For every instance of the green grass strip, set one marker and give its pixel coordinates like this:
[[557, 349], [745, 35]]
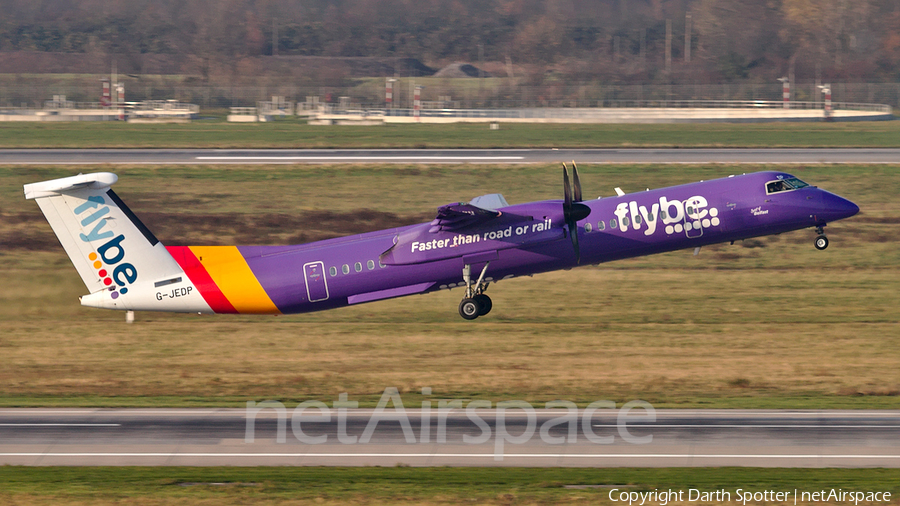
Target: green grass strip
[[293, 133], [404, 485]]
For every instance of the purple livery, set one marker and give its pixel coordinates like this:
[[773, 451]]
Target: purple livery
[[468, 245]]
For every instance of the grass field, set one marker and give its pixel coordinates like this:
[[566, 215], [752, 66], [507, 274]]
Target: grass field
[[279, 486], [293, 133], [767, 323]]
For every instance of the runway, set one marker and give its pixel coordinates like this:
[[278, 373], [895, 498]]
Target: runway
[[457, 437], [446, 156]]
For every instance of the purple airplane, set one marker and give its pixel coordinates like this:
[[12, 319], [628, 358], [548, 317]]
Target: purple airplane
[[468, 245]]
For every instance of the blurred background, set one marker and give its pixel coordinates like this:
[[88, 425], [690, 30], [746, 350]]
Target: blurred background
[[462, 53]]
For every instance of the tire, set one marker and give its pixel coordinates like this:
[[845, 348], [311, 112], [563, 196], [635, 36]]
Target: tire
[[821, 242], [485, 302], [469, 309]]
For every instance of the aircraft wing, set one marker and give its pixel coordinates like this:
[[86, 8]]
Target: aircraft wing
[[453, 217], [462, 229]]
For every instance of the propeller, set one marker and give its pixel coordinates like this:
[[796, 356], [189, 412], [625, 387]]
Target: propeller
[[577, 195], [573, 211]]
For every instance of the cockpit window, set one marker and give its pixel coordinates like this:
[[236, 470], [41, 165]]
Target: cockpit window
[[784, 185], [776, 186], [796, 183]]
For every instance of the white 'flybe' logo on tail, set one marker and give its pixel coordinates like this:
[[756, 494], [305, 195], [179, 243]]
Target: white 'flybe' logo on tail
[[111, 253]]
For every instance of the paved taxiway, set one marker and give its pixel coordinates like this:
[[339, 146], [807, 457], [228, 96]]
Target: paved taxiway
[[494, 156], [220, 437]]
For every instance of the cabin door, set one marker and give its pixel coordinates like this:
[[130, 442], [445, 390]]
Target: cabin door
[[316, 284], [692, 224]]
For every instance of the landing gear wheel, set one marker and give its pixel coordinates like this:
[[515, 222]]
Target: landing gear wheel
[[469, 309], [821, 242], [485, 302]]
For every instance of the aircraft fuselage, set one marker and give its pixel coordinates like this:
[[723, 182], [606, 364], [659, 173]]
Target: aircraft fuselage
[[525, 239]]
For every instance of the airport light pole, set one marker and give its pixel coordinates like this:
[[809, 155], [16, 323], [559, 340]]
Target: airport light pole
[[389, 93], [417, 101], [826, 89], [120, 100], [786, 91], [105, 94]]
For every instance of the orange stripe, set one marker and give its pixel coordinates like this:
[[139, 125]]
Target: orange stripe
[[230, 272]]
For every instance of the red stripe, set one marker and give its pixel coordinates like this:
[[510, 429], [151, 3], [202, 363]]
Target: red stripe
[[201, 279]]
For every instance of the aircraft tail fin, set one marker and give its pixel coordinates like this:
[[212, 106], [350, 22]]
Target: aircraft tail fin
[[108, 244]]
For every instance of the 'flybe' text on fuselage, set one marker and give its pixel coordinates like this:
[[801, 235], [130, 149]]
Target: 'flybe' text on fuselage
[[675, 215]]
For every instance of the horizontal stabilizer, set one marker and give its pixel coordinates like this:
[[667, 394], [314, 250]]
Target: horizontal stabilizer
[[96, 181]]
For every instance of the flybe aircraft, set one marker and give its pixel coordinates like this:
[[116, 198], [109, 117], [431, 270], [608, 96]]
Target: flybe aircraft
[[467, 245]]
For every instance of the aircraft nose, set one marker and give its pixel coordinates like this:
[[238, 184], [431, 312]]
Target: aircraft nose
[[837, 208]]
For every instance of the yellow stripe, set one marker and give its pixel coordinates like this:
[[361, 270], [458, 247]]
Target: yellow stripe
[[233, 276]]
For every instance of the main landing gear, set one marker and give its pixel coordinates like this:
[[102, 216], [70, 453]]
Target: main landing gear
[[821, 241], [475, 303]]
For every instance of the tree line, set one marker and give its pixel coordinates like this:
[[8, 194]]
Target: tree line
[[608, 40]]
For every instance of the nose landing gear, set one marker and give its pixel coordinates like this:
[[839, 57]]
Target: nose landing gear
[[475, 303], [821, 241]]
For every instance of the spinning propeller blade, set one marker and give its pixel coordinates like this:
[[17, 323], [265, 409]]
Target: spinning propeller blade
[[577, 196], [572, 210]]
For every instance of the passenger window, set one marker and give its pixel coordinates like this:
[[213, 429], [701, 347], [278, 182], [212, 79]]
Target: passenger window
[[370, 264], [332, 270], [358, 267], [625, 221], [601, 225], [637, 220], [662, 214], [345, 269], [587, 228], [613, 223]]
